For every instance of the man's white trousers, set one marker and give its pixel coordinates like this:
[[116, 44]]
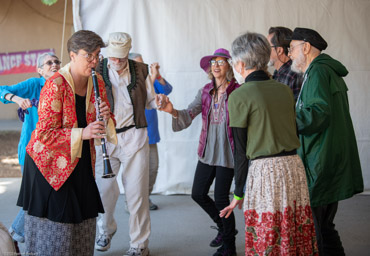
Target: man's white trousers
[[135, 180]]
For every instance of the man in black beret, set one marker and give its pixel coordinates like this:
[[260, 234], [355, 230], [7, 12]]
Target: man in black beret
[[328, 143]]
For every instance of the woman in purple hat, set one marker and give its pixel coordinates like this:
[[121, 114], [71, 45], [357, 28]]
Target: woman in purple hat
[[216, 144]]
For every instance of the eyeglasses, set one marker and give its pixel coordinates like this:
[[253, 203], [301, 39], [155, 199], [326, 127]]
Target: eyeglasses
[[290, 49], [50, 62], [89, 57], [219, 62]]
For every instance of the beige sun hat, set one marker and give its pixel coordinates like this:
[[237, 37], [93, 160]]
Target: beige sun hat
[[119, 45]]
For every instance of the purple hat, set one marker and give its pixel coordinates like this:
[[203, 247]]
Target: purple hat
[[204, 62]]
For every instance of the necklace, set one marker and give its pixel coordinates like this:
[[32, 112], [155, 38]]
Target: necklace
[[216, 91], [220, 85], [223, 82]]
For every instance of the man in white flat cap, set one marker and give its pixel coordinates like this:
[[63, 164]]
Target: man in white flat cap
[[129, 91]]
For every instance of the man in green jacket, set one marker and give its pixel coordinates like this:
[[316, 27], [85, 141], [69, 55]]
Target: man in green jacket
[[328, 143]]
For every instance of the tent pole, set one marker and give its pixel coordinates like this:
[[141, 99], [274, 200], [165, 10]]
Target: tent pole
[[64, 28]]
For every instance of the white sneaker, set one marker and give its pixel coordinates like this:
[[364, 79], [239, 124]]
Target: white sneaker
[[137, 252], [103, 242]]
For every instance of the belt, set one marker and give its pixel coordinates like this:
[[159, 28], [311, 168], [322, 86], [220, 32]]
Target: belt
[[284, 153], [123, 129]]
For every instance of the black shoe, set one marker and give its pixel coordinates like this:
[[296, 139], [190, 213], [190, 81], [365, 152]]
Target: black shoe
[[224, 251], [218, 240], [16, 247], [152, 206]]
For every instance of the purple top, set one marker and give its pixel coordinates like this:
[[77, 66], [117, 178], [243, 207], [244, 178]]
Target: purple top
[[202, 104]]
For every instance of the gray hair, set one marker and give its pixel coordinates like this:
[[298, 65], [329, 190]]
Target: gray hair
[[134, 55], [252, 49], [41, 58]]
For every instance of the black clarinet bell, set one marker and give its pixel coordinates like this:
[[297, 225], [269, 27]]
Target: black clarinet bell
[[108, 173]]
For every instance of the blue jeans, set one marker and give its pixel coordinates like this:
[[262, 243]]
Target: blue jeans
[[18, 223]]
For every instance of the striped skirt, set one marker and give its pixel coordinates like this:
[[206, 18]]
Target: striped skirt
[[277, 211], [46, 237]]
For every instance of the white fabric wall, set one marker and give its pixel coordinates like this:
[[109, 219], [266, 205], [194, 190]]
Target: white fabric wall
[[178, 33]]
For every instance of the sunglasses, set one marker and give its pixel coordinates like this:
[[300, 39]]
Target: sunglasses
[[50, 62]]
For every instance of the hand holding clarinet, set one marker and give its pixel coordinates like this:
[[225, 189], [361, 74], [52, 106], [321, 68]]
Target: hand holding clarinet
[[98, 127], [95, 130]]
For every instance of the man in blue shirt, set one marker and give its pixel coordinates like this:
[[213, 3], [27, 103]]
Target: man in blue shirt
[[161, 86]]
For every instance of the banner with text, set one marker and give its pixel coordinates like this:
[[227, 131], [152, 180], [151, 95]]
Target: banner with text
[[20, 62]]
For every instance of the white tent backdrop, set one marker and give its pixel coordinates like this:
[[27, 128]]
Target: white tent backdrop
[[178, 33]]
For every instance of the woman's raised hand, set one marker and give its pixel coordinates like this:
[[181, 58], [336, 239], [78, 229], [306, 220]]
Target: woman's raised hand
[[154, 70]]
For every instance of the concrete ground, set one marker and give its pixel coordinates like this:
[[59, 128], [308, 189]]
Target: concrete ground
[[10, 125], [181, 228]]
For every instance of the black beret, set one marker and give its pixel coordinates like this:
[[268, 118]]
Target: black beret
[[311, 36]]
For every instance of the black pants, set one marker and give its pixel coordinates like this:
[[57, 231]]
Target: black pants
[[203, 179], [328, 239]]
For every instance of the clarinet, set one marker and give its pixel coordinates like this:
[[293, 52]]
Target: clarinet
[[108, 173]]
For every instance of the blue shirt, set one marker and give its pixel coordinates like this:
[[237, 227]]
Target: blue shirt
[[151, 114], [29, 89]]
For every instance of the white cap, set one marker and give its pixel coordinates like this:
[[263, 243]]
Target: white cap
[[119, 45]]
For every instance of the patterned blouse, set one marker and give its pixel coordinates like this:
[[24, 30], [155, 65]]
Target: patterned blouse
[[56, 143]]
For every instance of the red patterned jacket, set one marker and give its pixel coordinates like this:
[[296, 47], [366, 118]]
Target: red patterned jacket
[[56, 143]]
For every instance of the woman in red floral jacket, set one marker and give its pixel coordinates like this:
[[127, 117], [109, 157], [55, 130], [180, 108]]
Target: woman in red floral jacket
[[58, 189]]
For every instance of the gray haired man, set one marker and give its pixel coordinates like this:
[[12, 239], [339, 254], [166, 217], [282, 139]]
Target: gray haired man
[[129, 91], [328, 143]]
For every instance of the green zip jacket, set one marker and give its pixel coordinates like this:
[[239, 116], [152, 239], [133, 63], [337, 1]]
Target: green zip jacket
[[328, 143]]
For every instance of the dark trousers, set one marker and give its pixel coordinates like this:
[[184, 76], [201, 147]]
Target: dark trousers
[[328, 239], [203, 179]]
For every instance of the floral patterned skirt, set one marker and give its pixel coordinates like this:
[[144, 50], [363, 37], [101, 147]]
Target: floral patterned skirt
[[277, 211]]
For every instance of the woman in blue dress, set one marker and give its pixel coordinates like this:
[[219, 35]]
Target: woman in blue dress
[[26, 94]]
